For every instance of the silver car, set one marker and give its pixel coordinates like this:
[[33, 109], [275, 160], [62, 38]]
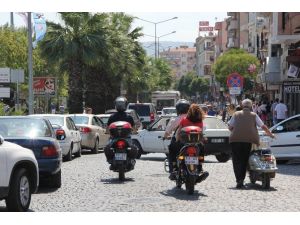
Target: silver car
[[64, 125], [92, 130]]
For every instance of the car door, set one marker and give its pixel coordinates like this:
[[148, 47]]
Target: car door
[[3, 166], [104, 136], [152, 139], [73, 131], [287, 141], [99, 131]]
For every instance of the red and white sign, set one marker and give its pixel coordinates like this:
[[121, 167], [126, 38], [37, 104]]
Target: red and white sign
[[206, 28], [44, 85], [235, 80], [203, 23]]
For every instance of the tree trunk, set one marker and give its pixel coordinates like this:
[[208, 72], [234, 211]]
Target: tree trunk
[[75, 87]]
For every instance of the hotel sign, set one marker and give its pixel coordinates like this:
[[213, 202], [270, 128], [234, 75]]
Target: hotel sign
[[291, 88]]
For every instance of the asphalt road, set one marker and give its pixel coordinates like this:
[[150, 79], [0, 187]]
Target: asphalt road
[[89, 186]]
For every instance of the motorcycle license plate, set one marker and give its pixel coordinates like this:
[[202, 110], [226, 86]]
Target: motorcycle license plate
[[120, 156], [191, 160]]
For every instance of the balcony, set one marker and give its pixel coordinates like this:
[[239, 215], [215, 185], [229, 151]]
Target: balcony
[[273, 69], [232, 43], [233, 25]]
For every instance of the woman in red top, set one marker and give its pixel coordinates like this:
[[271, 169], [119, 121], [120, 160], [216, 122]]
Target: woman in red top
[[194, 117]]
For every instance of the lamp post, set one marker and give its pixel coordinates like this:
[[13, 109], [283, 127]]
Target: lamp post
[[155, 23], [159, 38]]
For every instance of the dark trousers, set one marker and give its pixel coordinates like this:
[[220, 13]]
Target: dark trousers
[[240, 156], [174, 149]]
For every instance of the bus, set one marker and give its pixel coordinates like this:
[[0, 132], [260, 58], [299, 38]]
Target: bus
[[163, 99]]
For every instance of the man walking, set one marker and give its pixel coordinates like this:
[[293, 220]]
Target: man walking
[[243, 127], [273, 110], [280, 111]]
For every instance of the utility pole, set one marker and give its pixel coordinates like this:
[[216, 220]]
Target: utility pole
[[12, 20], [30, 71]]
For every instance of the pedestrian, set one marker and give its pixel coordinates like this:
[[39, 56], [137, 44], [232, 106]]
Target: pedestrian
[[273, 111], [230, 111], [53, 107], [243, 126], [62, 108], [280, 111]]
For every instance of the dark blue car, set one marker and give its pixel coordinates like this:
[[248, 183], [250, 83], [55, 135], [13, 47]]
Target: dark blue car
[[38, 135]]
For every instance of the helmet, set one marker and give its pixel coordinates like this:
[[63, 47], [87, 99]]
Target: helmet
[[182, 106], [121, 104]]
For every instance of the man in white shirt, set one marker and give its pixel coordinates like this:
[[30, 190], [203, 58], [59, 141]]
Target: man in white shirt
[[280, 111], [273, 110]]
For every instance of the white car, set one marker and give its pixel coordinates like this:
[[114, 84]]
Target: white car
[[19, 175], [169, 111], [65, 126], [215, 130], [286, 145]]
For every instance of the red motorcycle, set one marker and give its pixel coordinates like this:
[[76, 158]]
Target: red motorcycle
[[190, 159], [120, 132]]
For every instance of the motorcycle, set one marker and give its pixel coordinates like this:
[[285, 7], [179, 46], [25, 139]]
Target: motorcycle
[[190, 160], [121, 146], [262, 164]]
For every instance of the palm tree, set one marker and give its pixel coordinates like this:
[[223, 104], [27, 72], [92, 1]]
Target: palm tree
[[80, 42]]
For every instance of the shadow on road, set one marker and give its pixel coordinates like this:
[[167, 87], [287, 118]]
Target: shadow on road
[[4, 209], [291, 168], [116, 180], [44, 190], [181, 194], [159, 159], [257, 187]]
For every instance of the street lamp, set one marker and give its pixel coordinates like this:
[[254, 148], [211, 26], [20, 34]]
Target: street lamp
[[155, 23], [159, 38]]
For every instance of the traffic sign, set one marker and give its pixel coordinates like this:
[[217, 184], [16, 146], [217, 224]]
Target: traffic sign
[[235, 90], [235, 80]]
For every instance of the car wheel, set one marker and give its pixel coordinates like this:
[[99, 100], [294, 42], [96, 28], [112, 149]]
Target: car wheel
[[223, 157], [96, 147], [139, 148], [19, 195], [78, 153], [68, 157], [55, 180]]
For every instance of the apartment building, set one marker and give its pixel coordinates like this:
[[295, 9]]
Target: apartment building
[[181, 59]]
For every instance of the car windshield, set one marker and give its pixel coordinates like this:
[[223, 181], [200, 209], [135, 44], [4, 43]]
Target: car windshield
[[80, 119], [56, 120], [169, 111], [142, 110], [24, 127], [214, 123]]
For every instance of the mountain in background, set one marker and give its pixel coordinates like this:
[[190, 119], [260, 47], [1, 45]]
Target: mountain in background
[[163, 45]]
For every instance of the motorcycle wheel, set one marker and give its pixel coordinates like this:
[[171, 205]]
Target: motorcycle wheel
[[266, 181], [121, 173], [252, 177], [190, 185]]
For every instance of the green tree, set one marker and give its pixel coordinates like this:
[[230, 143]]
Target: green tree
[[81, 41], [235, 60]]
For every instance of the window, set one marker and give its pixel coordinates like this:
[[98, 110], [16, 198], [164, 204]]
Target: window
[[160, 125], [290, 126]]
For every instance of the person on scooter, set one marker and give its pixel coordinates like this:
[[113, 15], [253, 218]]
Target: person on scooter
[[182, 107], [243, 126], [120, 115], [194, 117]]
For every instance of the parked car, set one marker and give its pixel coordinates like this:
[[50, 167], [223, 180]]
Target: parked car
[[131, 112], [92, 130], [64, 124], [286, 145], [146, 112], [38, 135], [215, 131], [19, 176]]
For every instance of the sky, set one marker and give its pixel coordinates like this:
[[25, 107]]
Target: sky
[[186, 26], [189, 12]]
